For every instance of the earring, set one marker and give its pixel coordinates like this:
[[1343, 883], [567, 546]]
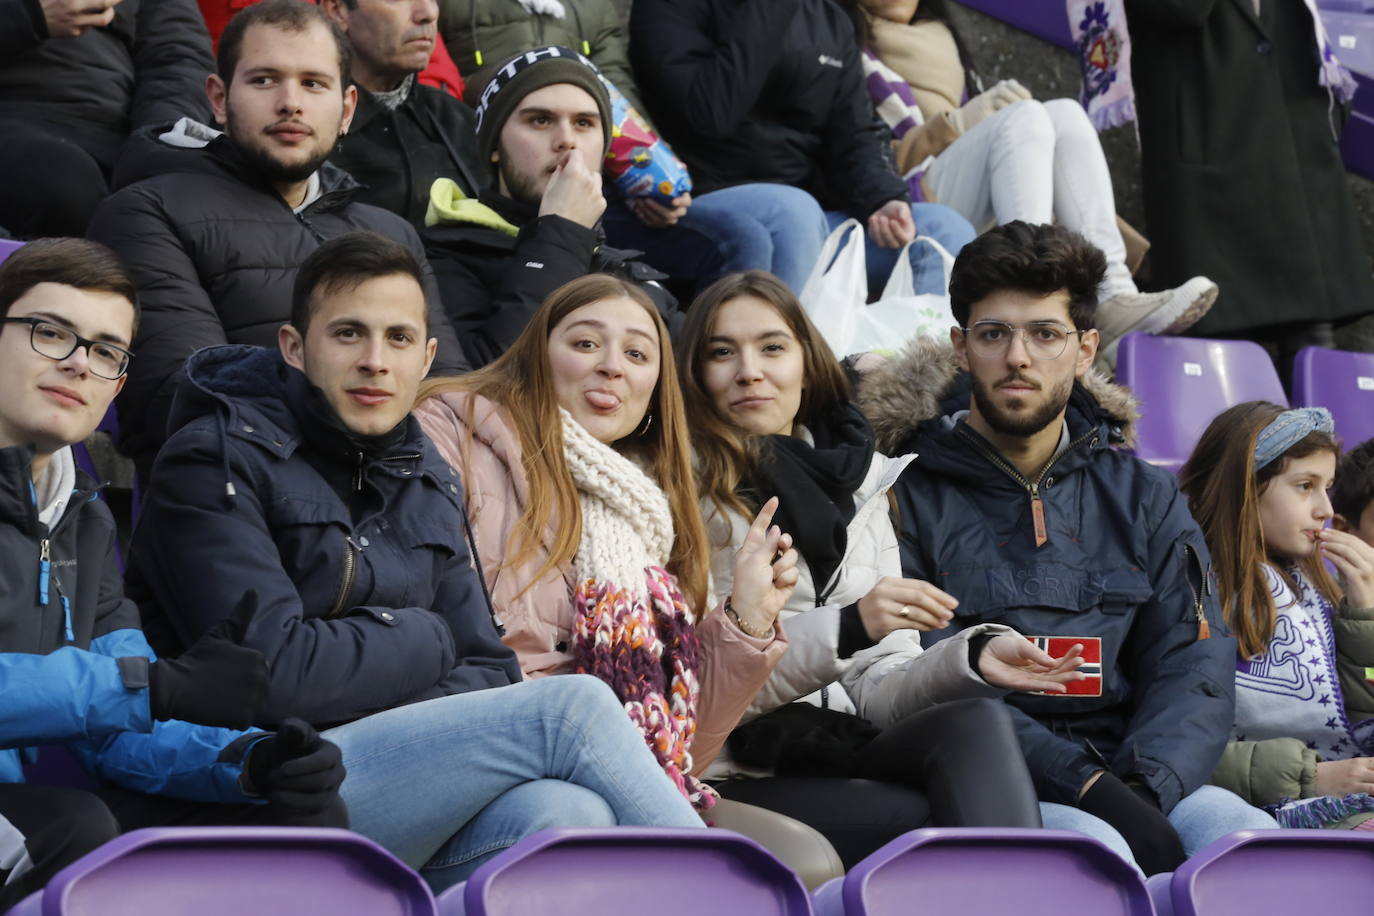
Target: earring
[[644, 427]]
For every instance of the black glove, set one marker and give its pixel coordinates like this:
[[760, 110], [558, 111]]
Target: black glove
[[1136, 816], [300, 773], [215, 682]]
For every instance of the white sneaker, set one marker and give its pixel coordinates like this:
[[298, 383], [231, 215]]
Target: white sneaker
[[1172, 311]]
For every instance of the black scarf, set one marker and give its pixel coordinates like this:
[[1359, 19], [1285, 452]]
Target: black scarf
[[815, 486]]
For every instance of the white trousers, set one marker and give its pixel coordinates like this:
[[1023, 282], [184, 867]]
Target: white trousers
[[1040, 162]]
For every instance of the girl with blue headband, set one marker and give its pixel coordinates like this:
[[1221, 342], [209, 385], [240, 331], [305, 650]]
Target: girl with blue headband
[[1257, 483]]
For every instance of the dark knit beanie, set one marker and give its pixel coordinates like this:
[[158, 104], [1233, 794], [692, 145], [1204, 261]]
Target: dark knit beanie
[[523, 74]]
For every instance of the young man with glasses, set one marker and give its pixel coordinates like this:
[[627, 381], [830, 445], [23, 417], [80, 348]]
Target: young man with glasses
[[1019, 506], [75, 669]]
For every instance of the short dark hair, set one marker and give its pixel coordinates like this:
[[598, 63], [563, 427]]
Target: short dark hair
[[78, 263], [345, 263], [1040, 259], [289, 16], [1354, 487]]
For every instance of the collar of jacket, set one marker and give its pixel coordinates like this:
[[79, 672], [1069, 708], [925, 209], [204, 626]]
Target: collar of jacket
[[922, 385], [16, 490], [249, 390]]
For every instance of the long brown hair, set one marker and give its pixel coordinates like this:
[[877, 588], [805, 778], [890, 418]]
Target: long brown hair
[[724, 452], [1223, 489], [521, 381]]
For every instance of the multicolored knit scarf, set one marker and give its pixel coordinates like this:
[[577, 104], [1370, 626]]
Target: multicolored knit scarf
[[1104, 55], [633, 627]]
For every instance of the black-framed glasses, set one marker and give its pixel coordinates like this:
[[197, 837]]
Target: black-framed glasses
[[1043, 339], [57, 343]]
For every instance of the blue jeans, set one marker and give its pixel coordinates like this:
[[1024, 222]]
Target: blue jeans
[[447, 783], [758, 226], [1208, 814], [928, 271]]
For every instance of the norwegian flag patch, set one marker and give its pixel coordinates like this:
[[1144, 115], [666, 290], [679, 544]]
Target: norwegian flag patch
[[1058, 647]]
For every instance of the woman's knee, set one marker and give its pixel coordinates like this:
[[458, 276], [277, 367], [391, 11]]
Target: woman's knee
[[1025, 123], [1069, 120]]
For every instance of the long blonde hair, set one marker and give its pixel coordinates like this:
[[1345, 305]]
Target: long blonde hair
[[1223, 489], [521, 381]]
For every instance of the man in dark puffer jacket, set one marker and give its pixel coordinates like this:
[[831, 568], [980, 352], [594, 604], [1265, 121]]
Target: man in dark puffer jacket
[[214, 238], [76, 76]]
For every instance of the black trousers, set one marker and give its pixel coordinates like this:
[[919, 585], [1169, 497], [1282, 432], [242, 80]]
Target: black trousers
[[953, 765], [55, 175], [44, 829]]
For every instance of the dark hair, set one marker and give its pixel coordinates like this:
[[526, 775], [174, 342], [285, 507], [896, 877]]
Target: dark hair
[[1354, 487], [724, 453], [289, 16], [71, 262], [344, 263], [1039, 259]]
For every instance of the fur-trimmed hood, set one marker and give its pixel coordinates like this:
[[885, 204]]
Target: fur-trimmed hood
[[923, 382]]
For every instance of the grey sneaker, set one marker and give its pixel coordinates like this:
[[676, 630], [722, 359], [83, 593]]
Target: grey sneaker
[[1172, 311]]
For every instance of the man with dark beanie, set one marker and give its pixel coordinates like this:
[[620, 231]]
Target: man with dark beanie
[[543, 125]]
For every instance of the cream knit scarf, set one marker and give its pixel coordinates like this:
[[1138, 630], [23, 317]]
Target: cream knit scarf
[[633, 628]]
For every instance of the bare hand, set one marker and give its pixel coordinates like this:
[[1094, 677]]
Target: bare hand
[[891, 225], [1015, 663], [656, 216], [763, 584], [1345, 777], [926, 607], [70, 18], [1354, 562], [573, 192]]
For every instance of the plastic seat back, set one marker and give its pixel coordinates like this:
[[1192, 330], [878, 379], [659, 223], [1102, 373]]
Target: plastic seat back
[[988, 872], [631, 870], [1343, 383], [233, 871], [1277, 873], [1182, 383]]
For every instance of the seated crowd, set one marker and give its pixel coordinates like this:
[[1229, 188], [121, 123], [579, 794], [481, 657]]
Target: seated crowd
[[412, 438]]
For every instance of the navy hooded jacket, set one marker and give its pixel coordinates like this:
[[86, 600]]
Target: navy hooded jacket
[[361, 604], [1124, 563]]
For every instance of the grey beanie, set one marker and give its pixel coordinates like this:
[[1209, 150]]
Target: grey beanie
[[523, 74]]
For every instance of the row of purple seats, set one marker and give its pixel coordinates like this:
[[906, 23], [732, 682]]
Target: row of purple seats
[[970, 872], [1182, 383]]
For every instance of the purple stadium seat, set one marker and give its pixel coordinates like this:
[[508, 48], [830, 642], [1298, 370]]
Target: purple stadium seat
[[1184, 382], [1158, 886], [1341, 382], [8, 247], [1276, 873], [234, 871], [982, 872], [630, 870]]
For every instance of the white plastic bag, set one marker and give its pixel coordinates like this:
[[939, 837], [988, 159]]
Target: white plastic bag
[[833, 297], [902, 314]]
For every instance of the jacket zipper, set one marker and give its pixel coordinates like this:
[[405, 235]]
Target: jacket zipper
[[1204, 629], [1031, 487], [350, 573], [45, 575]]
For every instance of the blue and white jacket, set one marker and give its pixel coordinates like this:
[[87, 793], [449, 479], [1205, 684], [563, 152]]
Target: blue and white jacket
[[64, 627]]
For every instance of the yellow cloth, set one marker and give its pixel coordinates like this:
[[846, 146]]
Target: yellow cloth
[[448, 204]]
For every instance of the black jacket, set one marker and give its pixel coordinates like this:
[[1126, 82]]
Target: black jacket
[[1242, 176], [765, 90], [147, 66], [492, 282], [397, 155], [365, 593], [214, 251], [73, 661], [1125, 563]]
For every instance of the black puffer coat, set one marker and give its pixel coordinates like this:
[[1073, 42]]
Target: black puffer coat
[[214, 251], [147, 66], [764, 91]]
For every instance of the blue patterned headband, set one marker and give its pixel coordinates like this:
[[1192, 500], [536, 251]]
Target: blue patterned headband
[[1287, 429]]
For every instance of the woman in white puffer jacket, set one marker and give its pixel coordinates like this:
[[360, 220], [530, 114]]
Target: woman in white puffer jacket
[[893, 737]]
